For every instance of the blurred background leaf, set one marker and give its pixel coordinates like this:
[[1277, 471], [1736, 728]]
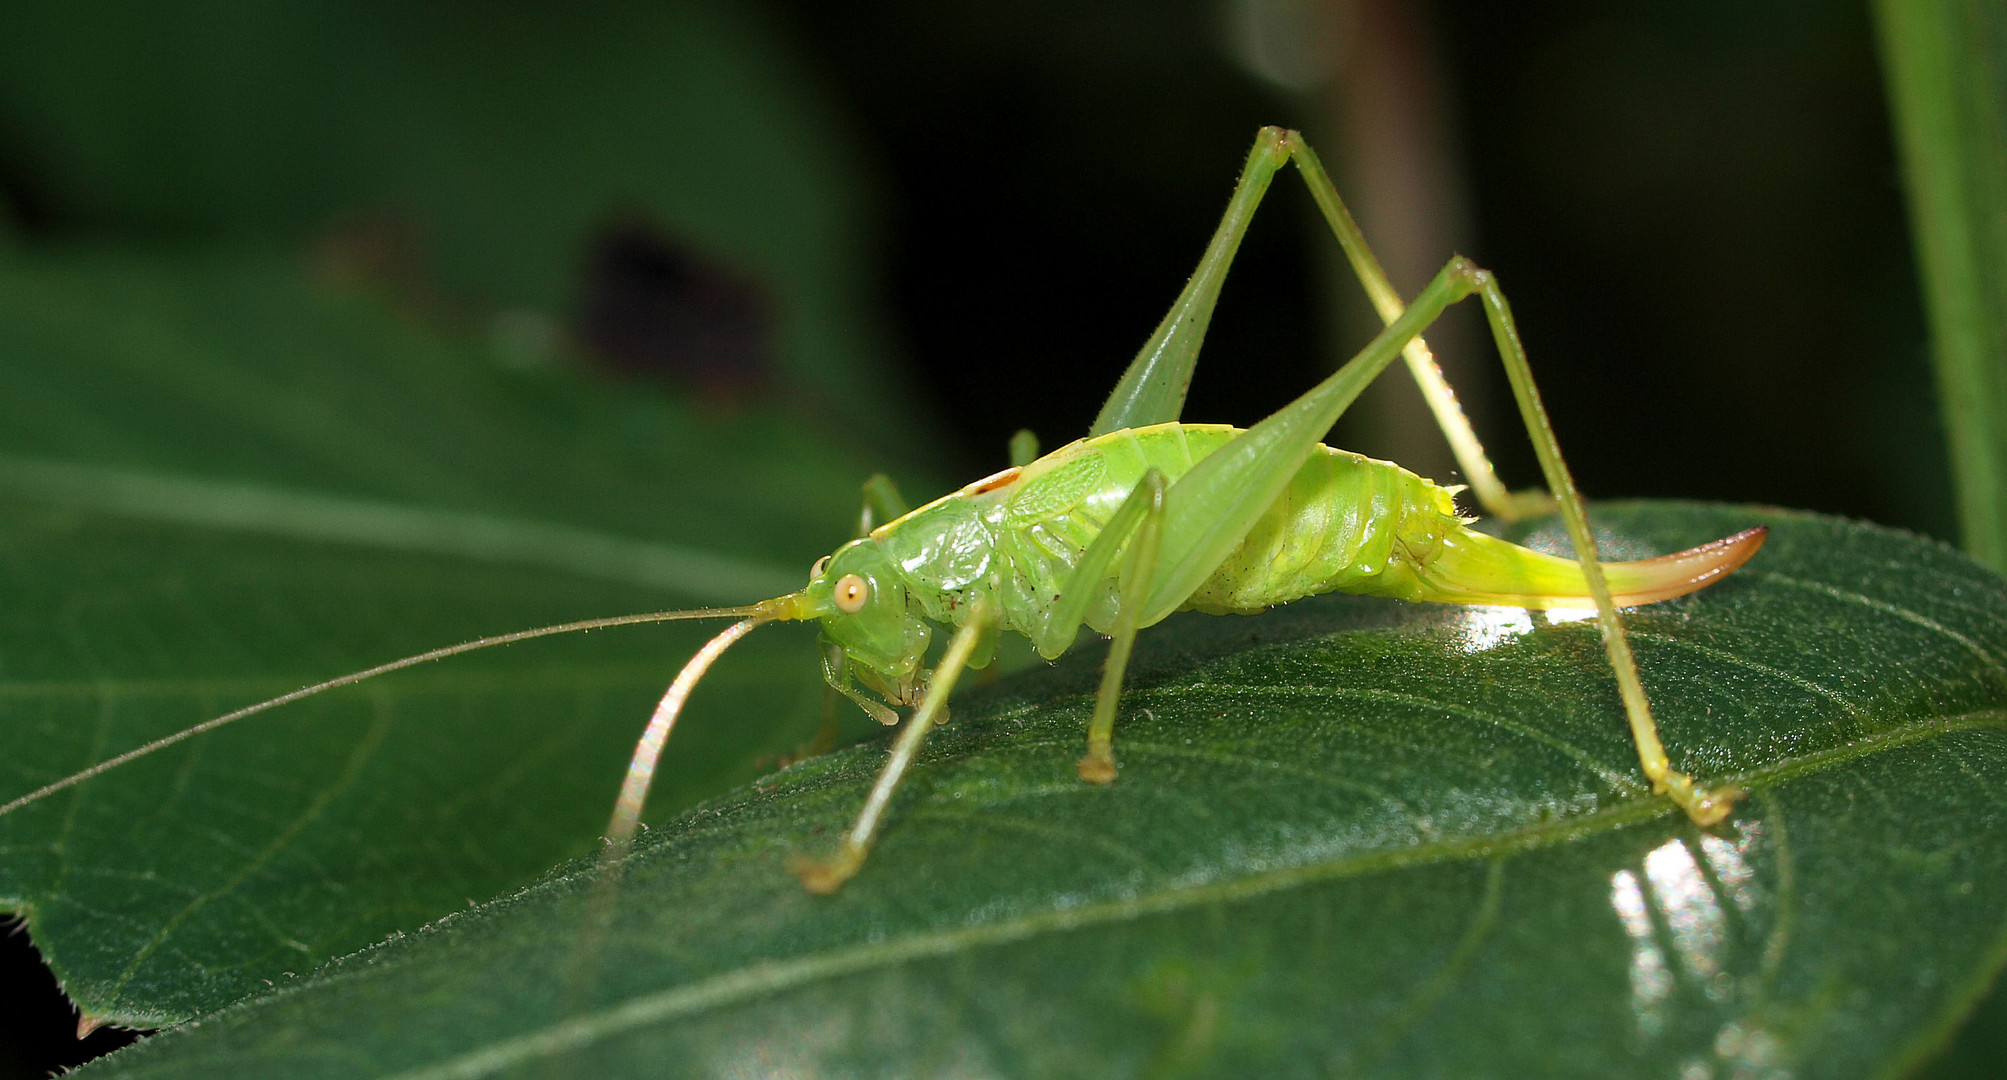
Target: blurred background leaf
[[466, 157], [1947, 78]]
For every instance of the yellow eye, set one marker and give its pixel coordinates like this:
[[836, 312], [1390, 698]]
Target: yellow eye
[[816, 570], [851, 594]]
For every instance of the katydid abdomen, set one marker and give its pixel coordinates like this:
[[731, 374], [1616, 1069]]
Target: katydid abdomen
[[1345, 523]]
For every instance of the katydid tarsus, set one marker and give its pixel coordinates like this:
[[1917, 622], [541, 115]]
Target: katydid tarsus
[[1148, 515]]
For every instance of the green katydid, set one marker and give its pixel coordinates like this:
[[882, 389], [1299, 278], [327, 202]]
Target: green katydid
[[1148, 515]]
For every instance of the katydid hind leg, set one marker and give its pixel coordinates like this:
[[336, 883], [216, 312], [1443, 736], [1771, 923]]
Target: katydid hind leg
[[1705, 806], [1152, 390], [1491, 493], [1210, 509]]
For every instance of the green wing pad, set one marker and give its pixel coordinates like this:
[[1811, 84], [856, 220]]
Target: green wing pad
[[1054, 485]]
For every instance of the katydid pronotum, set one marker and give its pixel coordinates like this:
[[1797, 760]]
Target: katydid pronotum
[[1149, 515]]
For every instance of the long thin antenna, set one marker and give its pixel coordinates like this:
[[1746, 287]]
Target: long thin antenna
[[763, 609], [641, 770]]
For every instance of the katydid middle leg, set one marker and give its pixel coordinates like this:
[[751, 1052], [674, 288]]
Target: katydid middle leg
[[1132, 535], [1098, 766], [882, 503]]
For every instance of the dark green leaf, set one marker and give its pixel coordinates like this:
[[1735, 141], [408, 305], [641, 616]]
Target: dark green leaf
[[218, 483], [464, 155], [1349, 838]]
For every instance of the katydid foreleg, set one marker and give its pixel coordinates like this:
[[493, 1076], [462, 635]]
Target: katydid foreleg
[[825, 876]]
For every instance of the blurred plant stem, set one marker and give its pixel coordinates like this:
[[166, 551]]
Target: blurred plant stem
[[1397, 162], [1370, 78], [1942, 60], [1947, 88]]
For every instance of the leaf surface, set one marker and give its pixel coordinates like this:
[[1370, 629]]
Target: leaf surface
[[221, 481], [1349, 838]]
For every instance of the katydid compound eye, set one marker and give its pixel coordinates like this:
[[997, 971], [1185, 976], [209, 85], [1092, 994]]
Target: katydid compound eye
[[816, 570], [851, 594]]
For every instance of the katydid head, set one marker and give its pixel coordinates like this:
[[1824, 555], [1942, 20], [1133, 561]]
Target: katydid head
[[860, 598]]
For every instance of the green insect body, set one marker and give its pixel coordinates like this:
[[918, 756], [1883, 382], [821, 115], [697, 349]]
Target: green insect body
[[1148, 515], [1345, 523]]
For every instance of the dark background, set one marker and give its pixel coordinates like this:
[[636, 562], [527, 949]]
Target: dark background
[[1693, 206]]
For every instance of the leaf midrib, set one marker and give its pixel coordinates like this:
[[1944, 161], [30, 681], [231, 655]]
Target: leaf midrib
[[245, 506]]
